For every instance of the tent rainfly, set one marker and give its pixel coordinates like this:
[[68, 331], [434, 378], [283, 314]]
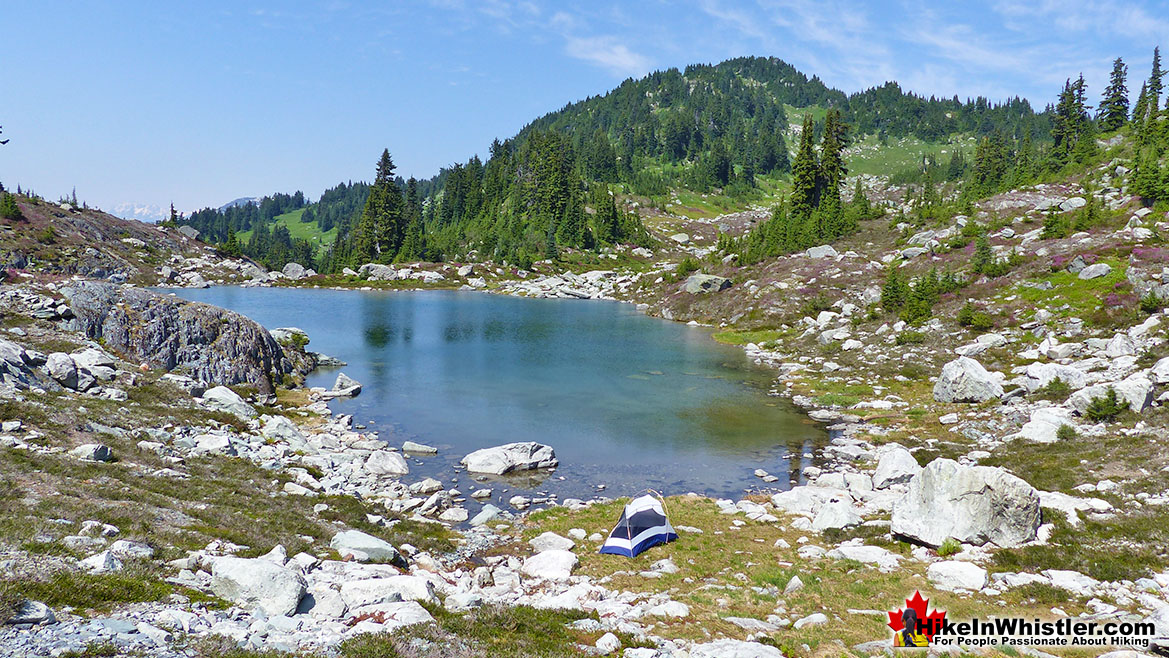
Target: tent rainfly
[[643, 524]]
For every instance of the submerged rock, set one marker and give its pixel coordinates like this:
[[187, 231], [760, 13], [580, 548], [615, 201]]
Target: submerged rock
[[502, 459]]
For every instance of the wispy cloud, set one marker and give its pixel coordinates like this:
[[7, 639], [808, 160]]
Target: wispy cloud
[[609, 53]]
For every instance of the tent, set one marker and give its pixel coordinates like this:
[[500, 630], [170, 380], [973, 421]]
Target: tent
[[643, 524]]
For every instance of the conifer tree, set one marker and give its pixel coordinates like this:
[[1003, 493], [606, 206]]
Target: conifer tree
[[804, 173], [1155, 83], [1140, 110], [983, 255], [379, 232], [1114, 106], [895, 292]]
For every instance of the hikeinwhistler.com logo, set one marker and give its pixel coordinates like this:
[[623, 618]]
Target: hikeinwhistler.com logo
[[917, 625]]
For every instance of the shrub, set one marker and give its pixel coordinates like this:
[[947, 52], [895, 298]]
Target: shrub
[[1106, 408], [1057, 390], [687, 267], [815, 305], [910, 338], [970, 316], [47, 236], [1151, 303], [1065, 433], [950, 547]]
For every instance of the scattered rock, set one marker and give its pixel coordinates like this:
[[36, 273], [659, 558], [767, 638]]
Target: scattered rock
[[363, 547], [955, 575], [94, 452]]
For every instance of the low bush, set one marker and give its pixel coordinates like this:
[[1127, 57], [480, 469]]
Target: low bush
[[1105, 408], [910, 338], [1056, 390]]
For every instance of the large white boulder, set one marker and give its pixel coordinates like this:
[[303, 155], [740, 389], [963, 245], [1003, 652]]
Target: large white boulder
[[1045, 423], [222, 398], [63, 369], [550, 541], [957, 575], [806, 500], [502, 459], [965, 380], [823, 251], [280, 428], [550, 565], [257, 583], [734, 649], [1160, 372], [384, 462], [1136, 389], [835, 515], [973, 504], [364, 547], [372, 591], [1045, 373], [895, 466]]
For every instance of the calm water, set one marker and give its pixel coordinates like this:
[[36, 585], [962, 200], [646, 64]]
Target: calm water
[[626, 400]]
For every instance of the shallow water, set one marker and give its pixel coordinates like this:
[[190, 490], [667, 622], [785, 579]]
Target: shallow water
[[627, 401]]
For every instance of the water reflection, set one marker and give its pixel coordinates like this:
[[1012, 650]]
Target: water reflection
[[625, 400]]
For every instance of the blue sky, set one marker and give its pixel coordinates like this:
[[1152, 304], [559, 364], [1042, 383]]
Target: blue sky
[[200, 103]]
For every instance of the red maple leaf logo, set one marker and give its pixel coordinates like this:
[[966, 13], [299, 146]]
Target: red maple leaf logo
[[931, 620]]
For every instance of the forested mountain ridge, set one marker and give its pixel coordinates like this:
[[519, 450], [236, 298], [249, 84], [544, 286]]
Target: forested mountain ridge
[[726, 131]]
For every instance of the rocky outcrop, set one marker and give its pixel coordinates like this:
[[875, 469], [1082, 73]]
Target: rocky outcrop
[[700, 283], [973, 504], [502, 459], [965, 380], [209, 343]]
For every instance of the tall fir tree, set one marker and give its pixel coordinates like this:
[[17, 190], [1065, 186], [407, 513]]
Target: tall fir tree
[[805, 171], [1113, 111], [379, 232]]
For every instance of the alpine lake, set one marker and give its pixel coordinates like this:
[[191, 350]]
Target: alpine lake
[[627, 401]]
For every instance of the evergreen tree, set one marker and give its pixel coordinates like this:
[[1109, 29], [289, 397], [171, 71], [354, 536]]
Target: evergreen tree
[[805, 170], [8, 207], [1147, 182], [1113, 111], [832, 174], [1155, 84], [895, 292], [1141, 109], [380, 230], [983, 255]]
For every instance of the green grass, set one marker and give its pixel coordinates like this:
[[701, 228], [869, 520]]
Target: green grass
[[89, 591], [1071, 296], [298, 229], [757, 336], [868, 156]]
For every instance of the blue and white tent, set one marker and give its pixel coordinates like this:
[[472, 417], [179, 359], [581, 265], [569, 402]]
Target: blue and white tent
[[643, 524]]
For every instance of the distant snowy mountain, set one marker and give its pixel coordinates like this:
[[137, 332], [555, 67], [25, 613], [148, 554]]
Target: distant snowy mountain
[[143, 213], [242, 201]]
